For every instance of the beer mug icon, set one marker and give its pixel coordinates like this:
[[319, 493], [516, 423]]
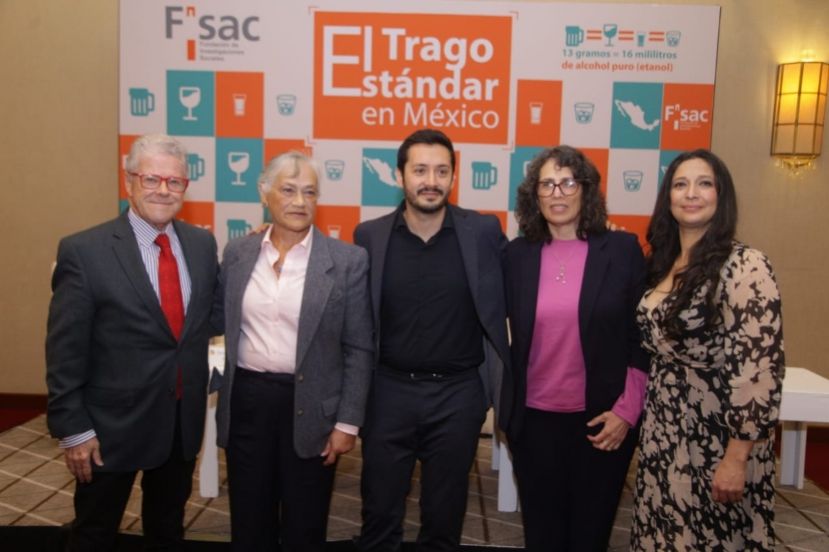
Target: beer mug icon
[[584, 112], [142, 102], [573, 35], [672, 38], [632, 180], [334, 169], [484, 175], [237, 228], [195, 166]]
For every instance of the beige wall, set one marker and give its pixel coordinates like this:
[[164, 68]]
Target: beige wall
[[58, 150]]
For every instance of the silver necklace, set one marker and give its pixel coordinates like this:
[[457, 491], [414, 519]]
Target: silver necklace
[[561, 277]]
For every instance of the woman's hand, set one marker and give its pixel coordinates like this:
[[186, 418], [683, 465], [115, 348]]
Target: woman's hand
[[612, 434], [730, 476]]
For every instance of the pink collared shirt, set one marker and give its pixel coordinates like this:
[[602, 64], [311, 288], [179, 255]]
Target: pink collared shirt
[[270, 308]]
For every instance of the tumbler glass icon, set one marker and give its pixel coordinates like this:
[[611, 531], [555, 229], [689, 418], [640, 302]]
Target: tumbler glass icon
[[195, 166], [334, 231], [238, 161], [535, 112], [640, 38], [142, 102], [632, 180], [484, 175], [239, 101], [286, 104], [584, 112], [672, 38], [334, 169]]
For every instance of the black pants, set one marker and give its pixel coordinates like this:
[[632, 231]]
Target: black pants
[[275, 496], [568, 489], [436, 422], [100, 504]]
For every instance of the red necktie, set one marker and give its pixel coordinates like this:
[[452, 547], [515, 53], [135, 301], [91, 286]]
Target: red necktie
[[169, 288]]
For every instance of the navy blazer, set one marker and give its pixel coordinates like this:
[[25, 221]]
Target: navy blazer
[[111, 358], [613, 283], [482, 245]]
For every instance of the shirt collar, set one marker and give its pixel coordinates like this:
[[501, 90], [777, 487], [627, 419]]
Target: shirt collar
[[146, 233], [448, 221], [305, 244]]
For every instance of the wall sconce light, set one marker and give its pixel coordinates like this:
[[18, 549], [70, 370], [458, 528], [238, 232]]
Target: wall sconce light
[[799, 113]]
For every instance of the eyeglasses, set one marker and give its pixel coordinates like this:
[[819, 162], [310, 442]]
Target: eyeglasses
[[567, 186], [153, 181]]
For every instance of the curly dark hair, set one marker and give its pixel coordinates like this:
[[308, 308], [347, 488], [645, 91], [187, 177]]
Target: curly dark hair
[[593, 214], [706, 257]]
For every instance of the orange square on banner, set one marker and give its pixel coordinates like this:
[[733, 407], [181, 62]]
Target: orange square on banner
[[635, 224], [239, 109], [538, 113], [198, 213], [338, 221], [381, 76], [502, 218], [124, 144], [599, 157], [277, 146], [686, 116]]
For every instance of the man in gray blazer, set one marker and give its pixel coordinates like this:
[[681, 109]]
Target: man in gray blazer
[[299, 354], [438, 303], [126, 353]]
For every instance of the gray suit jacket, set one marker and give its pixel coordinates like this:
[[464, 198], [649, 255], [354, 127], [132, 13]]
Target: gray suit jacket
[[111, 358], [482, 245], [334, 347]]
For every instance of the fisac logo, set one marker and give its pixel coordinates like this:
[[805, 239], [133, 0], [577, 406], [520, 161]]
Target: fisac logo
[[687, 116], [229, 29], [378, 76]]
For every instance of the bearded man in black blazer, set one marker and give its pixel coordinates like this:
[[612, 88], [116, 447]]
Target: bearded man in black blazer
[[440, 325], [126, 353]]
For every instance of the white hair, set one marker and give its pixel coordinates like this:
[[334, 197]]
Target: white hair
[[287, 164], [155, 143]]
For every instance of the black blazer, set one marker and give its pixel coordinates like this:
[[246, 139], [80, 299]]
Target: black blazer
[[613, 284], [482, 245], [111, 358]]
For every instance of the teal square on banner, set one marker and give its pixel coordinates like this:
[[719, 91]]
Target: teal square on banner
[[190, 101], [636, 108], [238, 164], [665, 159], [380, 186], [519, 162]]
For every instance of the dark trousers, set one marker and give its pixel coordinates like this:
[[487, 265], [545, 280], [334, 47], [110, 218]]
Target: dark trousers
[[100, 504], [568, 490], [436, 422], [275, 496]]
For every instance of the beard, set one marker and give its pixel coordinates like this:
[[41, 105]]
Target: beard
[[413, 200]]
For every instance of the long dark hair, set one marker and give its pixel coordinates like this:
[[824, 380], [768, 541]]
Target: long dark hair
[[593, 213], [706, 257]]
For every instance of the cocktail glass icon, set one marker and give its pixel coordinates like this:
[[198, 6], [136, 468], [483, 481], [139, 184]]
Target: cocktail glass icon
[[195, 166], [535, 112], [190, 97], [632, 180], [584, 112], [285, 104], [142, 102], [239, 104], [609, 30], [238, 161], [334, 230], [334, 169], [237, 228], [672, 38], [484, 175]]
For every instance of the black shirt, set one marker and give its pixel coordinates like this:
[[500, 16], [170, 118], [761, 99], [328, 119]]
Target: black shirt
[[428, 321]]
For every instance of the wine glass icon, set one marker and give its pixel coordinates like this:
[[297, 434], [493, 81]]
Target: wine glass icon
[[609, 30], [189, 96], [238, 161]]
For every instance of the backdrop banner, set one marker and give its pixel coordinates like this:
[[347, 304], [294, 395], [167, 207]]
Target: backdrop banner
[[238, 83]]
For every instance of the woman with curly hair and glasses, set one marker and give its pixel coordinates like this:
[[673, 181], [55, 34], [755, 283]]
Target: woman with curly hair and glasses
[[711, 319], [579, 372]]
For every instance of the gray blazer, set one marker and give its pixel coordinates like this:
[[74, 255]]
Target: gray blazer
[[334, 347], [111, 358], [482, 245]]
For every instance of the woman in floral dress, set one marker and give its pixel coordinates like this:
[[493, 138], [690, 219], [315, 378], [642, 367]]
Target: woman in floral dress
[[711, 319]]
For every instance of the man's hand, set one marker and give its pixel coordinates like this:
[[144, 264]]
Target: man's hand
[[339, 442], [78, 459], [612, 434]]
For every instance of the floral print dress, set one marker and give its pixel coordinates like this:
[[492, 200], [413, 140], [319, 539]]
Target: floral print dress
[[712, 385]]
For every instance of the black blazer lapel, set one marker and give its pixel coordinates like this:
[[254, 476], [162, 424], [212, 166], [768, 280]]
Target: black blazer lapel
[[125, 247], [192, 256], [379, 245], [594, 273], [467, 239], [527, 282]]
